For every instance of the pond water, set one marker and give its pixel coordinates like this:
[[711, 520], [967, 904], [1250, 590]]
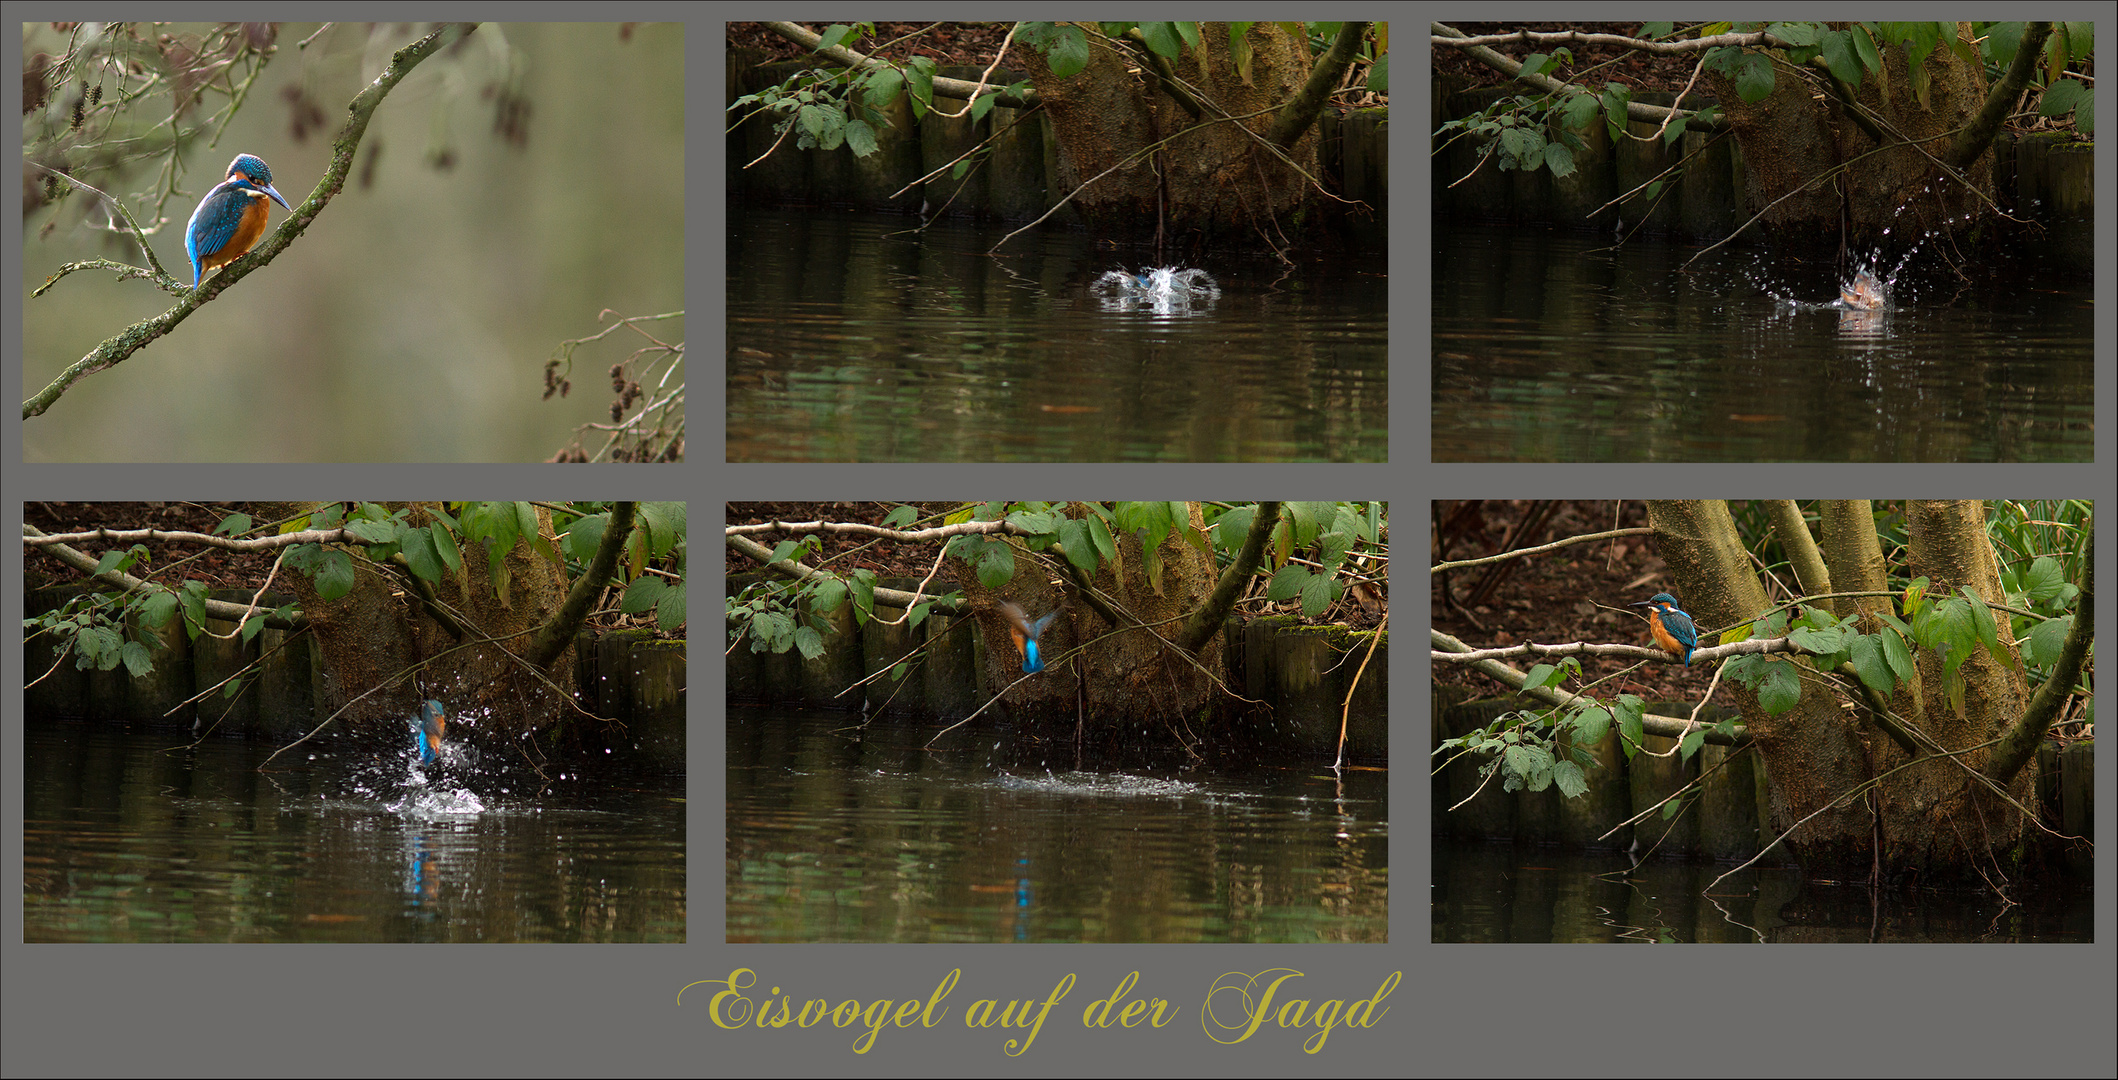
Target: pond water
[[1508, 892], [857, 337], [841, 834], [1552, 346], [125, 839]]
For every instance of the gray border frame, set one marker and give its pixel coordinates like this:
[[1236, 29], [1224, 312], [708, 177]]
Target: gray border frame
[[595, 1009]]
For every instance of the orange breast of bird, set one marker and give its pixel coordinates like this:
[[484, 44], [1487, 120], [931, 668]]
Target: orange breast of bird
[[246, 235]]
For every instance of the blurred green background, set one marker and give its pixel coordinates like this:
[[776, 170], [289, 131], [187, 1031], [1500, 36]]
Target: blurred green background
[[518, 183]]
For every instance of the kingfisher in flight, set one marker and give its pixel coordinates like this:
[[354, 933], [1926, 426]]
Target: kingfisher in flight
[[1025, 634], [428, 727], [1672, 626], [231, 218]]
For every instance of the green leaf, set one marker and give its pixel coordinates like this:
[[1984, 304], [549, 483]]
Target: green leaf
[[1631, 710], [1559, 159], [642, 595], [833, 35], [1291, 580], [445, 548], [995, 565], [156, 607], [1690, 744], [1162, 39], [1864, 47], [2048, 639], [882, 88], [194, 602], [1106, 544], [1568, 776], [1871, 663], [526, 528], [585, 535], [1317, 594], [827, 594], [334, 575], [1079, 546], [1239, 51], [1780, 687], [666, 522], [1069, 52], [2062, 98], [420, 556], [862, 585], [1753, 77], [670, 611], [1795, 33]]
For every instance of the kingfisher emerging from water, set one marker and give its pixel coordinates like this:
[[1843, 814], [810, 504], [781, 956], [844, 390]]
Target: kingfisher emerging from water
[[1025, 633], [1671, 625], [231, 218], [429, 725], [1865, 293]]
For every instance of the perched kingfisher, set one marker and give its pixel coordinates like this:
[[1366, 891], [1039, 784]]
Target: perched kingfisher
[[428, 727], [1025, 634], [231, 218], [1671, 626]]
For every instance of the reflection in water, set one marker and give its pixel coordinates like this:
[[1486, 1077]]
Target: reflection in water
[[1553, 346], [126, 842], [840, 833], [1506, 892], [856, 337]]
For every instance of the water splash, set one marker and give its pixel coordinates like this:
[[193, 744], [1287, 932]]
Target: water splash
[[1164, 282], [1864, 292], [1163, 289], [1877, 282]]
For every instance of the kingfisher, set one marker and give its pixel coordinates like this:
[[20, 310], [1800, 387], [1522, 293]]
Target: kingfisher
[[428, 727], [1865, 293], [231, 218], [1671, 625], [1025, 634]]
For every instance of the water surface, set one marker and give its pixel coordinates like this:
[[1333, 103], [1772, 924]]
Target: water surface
[[124, 840], [857, 337], [836, 833], [1552, 346], [1524, 893]]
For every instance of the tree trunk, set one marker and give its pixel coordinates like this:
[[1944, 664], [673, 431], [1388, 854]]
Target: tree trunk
[[1934, 821], [1130, 677], [1213, 178], [1797, 133], [380, 629]]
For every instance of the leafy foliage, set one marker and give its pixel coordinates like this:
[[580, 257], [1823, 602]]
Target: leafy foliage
[[834, 107], [1533, 751], [778, 616], [91, 626], [1528, 132]]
